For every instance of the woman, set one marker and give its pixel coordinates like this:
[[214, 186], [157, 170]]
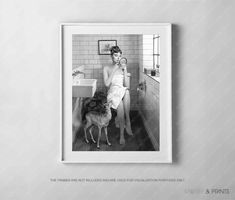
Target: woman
[[115, 78]]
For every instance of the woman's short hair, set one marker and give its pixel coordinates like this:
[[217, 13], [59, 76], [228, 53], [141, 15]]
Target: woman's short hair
[[115, 49]]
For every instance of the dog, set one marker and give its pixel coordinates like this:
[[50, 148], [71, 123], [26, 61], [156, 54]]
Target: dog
[[101, 120]]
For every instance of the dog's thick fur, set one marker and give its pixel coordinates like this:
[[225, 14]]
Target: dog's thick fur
[[101, 120]]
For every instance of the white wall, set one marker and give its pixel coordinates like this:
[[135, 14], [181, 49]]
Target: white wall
[[203, 100]]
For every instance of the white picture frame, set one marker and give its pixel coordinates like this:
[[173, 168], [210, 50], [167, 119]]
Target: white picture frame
[[164, 155]]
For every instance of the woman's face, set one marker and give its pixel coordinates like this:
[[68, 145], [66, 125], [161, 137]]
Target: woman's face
[[116, 57]]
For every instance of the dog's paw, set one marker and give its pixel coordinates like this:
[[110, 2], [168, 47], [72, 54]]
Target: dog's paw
[[94, 141], [87, 141], [109, 143], [98, 147]]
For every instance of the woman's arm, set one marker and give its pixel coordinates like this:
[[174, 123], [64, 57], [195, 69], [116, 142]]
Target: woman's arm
[[108, 77]]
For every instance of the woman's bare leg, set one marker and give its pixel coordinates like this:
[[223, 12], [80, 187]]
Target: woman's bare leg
[[120, 115], [126, 103]]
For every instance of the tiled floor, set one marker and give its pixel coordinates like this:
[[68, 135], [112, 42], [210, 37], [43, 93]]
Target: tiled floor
[[139, 142]]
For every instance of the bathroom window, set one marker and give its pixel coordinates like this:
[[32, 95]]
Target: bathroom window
[[151, 54], [156, 52]]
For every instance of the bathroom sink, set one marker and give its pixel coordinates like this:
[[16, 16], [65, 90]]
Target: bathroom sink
[[84, 87]]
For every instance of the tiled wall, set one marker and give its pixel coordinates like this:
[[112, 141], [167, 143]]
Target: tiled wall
[[85, 52], [149, 108]]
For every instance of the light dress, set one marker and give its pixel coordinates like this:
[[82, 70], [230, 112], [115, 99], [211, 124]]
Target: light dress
[[116, 90]]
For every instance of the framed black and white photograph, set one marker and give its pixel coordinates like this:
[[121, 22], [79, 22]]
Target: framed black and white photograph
[[116, 105], [104, 46]]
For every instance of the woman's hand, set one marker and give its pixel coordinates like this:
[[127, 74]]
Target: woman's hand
[[123, 67]]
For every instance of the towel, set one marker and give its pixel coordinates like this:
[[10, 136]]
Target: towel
[[116, 90]]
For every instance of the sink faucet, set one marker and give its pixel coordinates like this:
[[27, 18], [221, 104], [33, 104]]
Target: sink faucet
[[75, 73]]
